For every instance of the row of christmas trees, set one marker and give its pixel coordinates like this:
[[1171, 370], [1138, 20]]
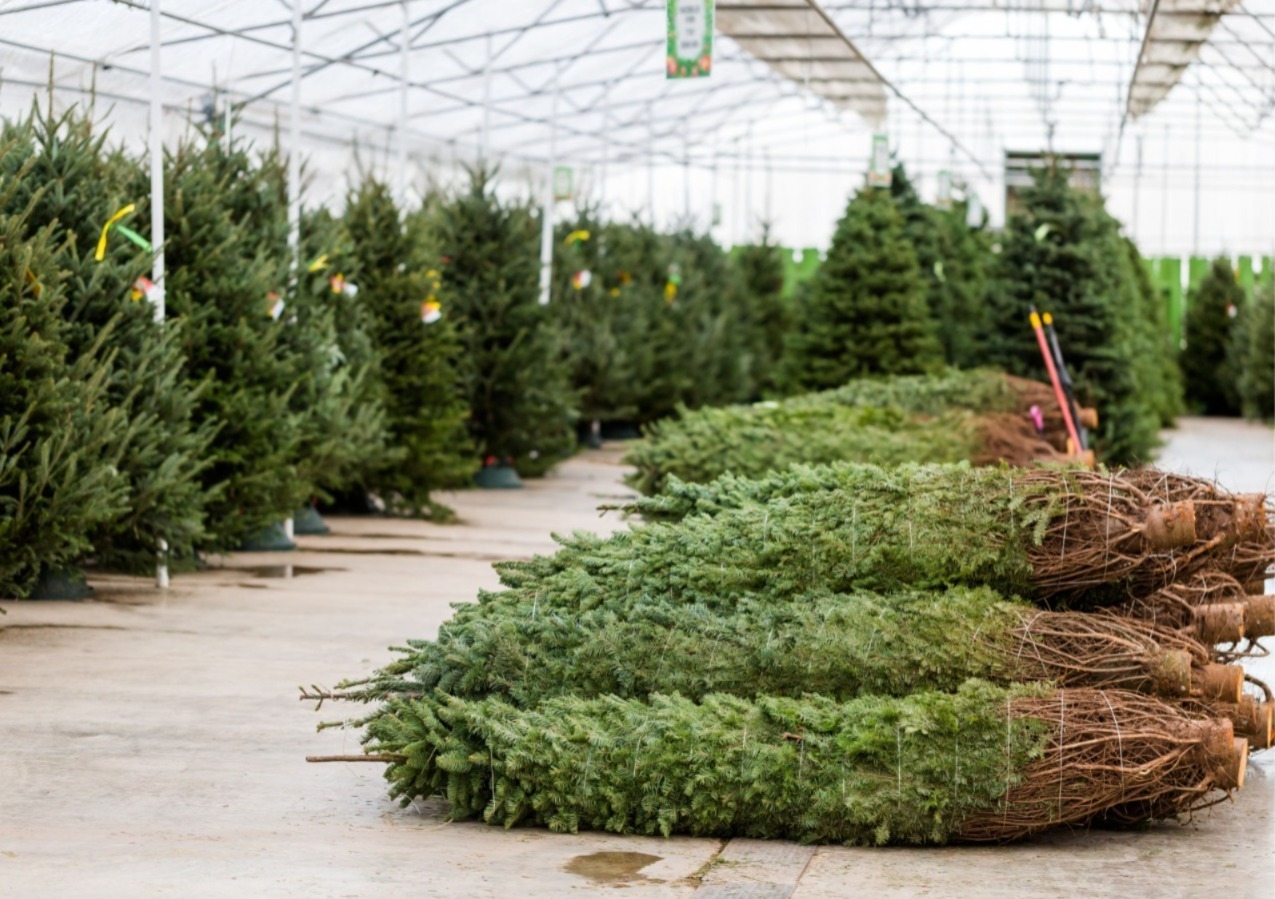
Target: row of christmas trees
[[394, 353]]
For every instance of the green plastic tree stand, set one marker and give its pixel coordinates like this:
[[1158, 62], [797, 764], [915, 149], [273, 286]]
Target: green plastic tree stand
[[61, 583], [271, 540], [498, 477], [309, 523]]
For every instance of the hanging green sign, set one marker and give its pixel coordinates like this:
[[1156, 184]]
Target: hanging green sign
[[879, 172], [563, 183], [690, 38]]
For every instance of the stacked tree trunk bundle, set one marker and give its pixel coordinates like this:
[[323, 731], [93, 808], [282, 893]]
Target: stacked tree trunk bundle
[[983, 416], [922, 654]]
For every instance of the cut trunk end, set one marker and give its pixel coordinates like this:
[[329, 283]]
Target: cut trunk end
[[1220, 623], [1224, 682], [1170, 526], [1087, 418], [1262, 726], [1250, 516], [1172, 672], [1259, 616], [1231, 770]]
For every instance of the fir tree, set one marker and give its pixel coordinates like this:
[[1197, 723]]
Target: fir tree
[[865, 311], [74, 185], [1159, 356], [1211, 383], [519, 389], [1062, 254], [761, 271], [1253, 352], [225, 278], [952, 259], [418, 369], [60, 442]]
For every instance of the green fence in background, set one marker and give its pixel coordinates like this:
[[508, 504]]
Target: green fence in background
[[1166, 271]]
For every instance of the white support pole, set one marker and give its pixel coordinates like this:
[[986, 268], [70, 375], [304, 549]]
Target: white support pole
[[404, 76], [157, 224], [1137, 190], [650, 164], [482, 149], [294, 147], [606, 162], [546, 224], [294, 172], [1199, 129], [157, 165]]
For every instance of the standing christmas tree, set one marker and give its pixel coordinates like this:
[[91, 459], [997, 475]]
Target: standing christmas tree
[[866, 311], [1062, 254], [59, 440], [225, 281], [1253, 354], [1210, 315], [74, 185], [761, 272], [416, 337], [520, 397]]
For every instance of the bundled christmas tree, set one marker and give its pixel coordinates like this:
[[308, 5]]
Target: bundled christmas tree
[[1063, 254], [226, 281], [64, 173], [838, 645], [866, 310], [416, 335], [983, 764], [521, 404], [980, 415], [1211, 383], [60, 441], [1253, 352]]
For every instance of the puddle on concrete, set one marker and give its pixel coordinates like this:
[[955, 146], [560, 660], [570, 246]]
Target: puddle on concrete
[[477, 557], [285, 571], [253, 586], [611, 867]]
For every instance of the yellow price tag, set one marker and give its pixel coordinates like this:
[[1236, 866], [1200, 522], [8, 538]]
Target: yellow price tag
[[101, 241]]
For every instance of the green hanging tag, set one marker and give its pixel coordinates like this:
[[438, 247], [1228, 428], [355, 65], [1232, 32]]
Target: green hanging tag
[[135, 238]]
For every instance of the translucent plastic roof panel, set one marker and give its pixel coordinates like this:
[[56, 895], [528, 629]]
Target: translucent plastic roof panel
[[800, 41], [1173, 33]]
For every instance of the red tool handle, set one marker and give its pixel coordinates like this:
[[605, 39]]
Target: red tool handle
[[1072, 433]]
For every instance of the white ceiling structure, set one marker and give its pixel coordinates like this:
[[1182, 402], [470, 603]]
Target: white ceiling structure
[[1177, 95]]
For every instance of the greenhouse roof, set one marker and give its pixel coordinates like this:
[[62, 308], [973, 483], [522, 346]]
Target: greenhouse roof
[[795, 92]]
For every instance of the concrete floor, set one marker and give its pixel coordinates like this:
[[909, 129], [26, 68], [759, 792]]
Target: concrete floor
[[152, 744]]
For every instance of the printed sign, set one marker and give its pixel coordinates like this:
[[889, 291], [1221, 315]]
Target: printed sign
[[879, 172], [690, 38]]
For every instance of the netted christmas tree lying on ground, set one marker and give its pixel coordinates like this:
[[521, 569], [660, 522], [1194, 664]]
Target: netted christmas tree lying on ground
[[981, 764], [838, 645], [863, 421]]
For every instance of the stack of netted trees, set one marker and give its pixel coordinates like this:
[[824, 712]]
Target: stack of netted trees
[[848, 653], [981, 415]]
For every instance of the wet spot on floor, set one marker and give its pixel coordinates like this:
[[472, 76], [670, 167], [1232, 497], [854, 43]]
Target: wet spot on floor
[[285, 571], [611, 867], [477, 557]]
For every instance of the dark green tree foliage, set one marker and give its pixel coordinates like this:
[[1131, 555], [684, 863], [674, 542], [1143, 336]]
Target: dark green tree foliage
[[1211, 383], [60, 441], [605, 320], [761, 272], [1253, 351], [419, 371], [866, 310], [345, 392], [73, 185], [1159, 351], [953, 260], [1063, 254], [521, 402], [714, 313], [223, 265], [871, 771]]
